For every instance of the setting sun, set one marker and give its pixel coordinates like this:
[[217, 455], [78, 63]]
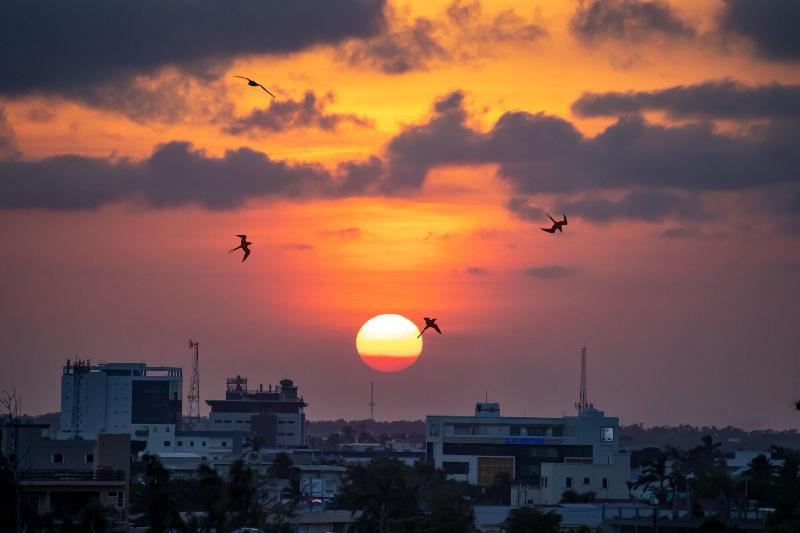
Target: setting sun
[[389, 343]]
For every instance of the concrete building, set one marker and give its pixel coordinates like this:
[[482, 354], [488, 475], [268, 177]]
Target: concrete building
[[59, 477], [128, 398], [547, 456], [274, 413]]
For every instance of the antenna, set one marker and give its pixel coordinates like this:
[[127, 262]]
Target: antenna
[[372, 400], [78, 370], [194, 392], [583, 401]]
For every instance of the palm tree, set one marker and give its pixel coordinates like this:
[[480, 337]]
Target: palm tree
[[528, 519], [654, 472]]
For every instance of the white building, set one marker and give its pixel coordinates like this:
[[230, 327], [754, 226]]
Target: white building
[[546, 456], [119, 398]]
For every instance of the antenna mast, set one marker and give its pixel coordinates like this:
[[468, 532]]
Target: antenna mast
[[194, 392], [583, 401], [372, 400]]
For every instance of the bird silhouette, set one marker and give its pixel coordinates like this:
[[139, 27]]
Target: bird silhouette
[[253, 83], [430, 323], [244, 246], [557, 224], [797, 405]]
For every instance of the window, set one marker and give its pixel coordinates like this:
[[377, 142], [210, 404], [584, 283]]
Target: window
[[191, 443], [281, 421], [605, 482], [204, 443], [224, 444], [490, 467], [118, 496], [167, 443], [568, 482], [166, 429], [281, 434], [57, 458], [434, 429], [180, 443], [89, 458], [454, 467], [587, 481], [290, 434], [606, 434], [290, 421]]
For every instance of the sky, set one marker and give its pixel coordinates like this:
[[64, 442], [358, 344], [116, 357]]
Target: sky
[[406, 166]]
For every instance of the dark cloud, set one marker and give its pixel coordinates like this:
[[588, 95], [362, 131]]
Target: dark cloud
[[477, 271], [290, 114], [628, 20], [174, 175], [725, 99], [461, 32], [683, 232], [648, 205], [55, 46], [539, 153], [550, 272], [771, 25], [8, 142]]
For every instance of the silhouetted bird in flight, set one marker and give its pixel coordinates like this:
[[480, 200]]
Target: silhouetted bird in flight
[[430, 323], [253, 83], [797, 405], [557, 224], [244, 246]]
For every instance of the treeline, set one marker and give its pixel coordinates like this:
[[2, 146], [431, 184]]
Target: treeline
[[730, 438]]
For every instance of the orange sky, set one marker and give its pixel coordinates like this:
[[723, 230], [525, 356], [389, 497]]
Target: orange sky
[[676, 326]]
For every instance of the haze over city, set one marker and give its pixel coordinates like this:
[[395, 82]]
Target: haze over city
[[405, 166]]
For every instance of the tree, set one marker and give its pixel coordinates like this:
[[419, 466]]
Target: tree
[[160, 508], [654, 477], [530, 519], [255, 443], [212, 496], [242, 501], [281, 467], [93, 518]]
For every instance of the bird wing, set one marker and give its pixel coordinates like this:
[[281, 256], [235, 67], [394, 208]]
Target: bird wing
[[242, 77], [565, 219], [242, 236], [267, 90], [436, 327], [421, 332], [550, 217], [549, 230], [234, 249], [246, 254]]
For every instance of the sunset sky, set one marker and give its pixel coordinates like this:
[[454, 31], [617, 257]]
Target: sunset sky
[[405, 167]]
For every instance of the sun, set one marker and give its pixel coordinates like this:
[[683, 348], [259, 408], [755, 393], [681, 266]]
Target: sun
[[389, 343]]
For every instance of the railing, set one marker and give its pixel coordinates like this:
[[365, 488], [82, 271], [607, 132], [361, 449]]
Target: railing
[[100, 474]]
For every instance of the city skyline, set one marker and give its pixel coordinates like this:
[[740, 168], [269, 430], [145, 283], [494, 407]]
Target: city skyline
[[405, 166]]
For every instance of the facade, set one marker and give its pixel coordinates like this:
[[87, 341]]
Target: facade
[[59, 477], [274, 414], [128, 398], [545, 455]]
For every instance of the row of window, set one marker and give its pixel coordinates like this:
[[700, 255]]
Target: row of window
[[568, 482], [58, 458], [286, 434], [168, 443]]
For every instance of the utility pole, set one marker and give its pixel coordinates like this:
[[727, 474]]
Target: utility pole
[[194, 391], [372, 400]]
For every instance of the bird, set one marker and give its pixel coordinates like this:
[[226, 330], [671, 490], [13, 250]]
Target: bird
[[244, 246], [797, 405], [253, 83], [430, 323], [557, 224]]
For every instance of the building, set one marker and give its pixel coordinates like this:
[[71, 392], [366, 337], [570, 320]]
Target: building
[[128, 398], [59, 477], [546, 456], [275, 413]]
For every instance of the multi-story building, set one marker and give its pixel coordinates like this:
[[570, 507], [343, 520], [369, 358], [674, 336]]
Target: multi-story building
[[59, 477], [274, 413], [119, 398], [546, 456]]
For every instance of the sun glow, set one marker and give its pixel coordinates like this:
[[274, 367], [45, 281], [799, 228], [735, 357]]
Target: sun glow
[[389, 343]]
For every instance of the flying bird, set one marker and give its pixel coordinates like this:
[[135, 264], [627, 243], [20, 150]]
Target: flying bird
[[244, 246], [797, 405], [557, 224], [430, 323], [253, 83]]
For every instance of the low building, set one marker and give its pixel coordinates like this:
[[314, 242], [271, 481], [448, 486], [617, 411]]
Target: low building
[[547, 455], [59, 477]]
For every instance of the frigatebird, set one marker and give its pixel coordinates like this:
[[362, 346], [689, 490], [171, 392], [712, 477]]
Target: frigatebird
[[557, 224], [244, 246], [253, 83], [430, 323]]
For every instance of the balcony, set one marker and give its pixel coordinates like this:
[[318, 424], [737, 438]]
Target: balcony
[[61, 475]]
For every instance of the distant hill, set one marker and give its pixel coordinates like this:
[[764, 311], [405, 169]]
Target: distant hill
[[323, 428], [638, 436]]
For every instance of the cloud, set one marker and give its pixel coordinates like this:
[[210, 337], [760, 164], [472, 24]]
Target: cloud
[[174, 175], [8, 141], [627, 20], [460, 32], [683, 232], [725, 99], [54, 46], [344, 233], [477, 271], [770, 25], [297, 246], [550, 272], [290, 114]]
